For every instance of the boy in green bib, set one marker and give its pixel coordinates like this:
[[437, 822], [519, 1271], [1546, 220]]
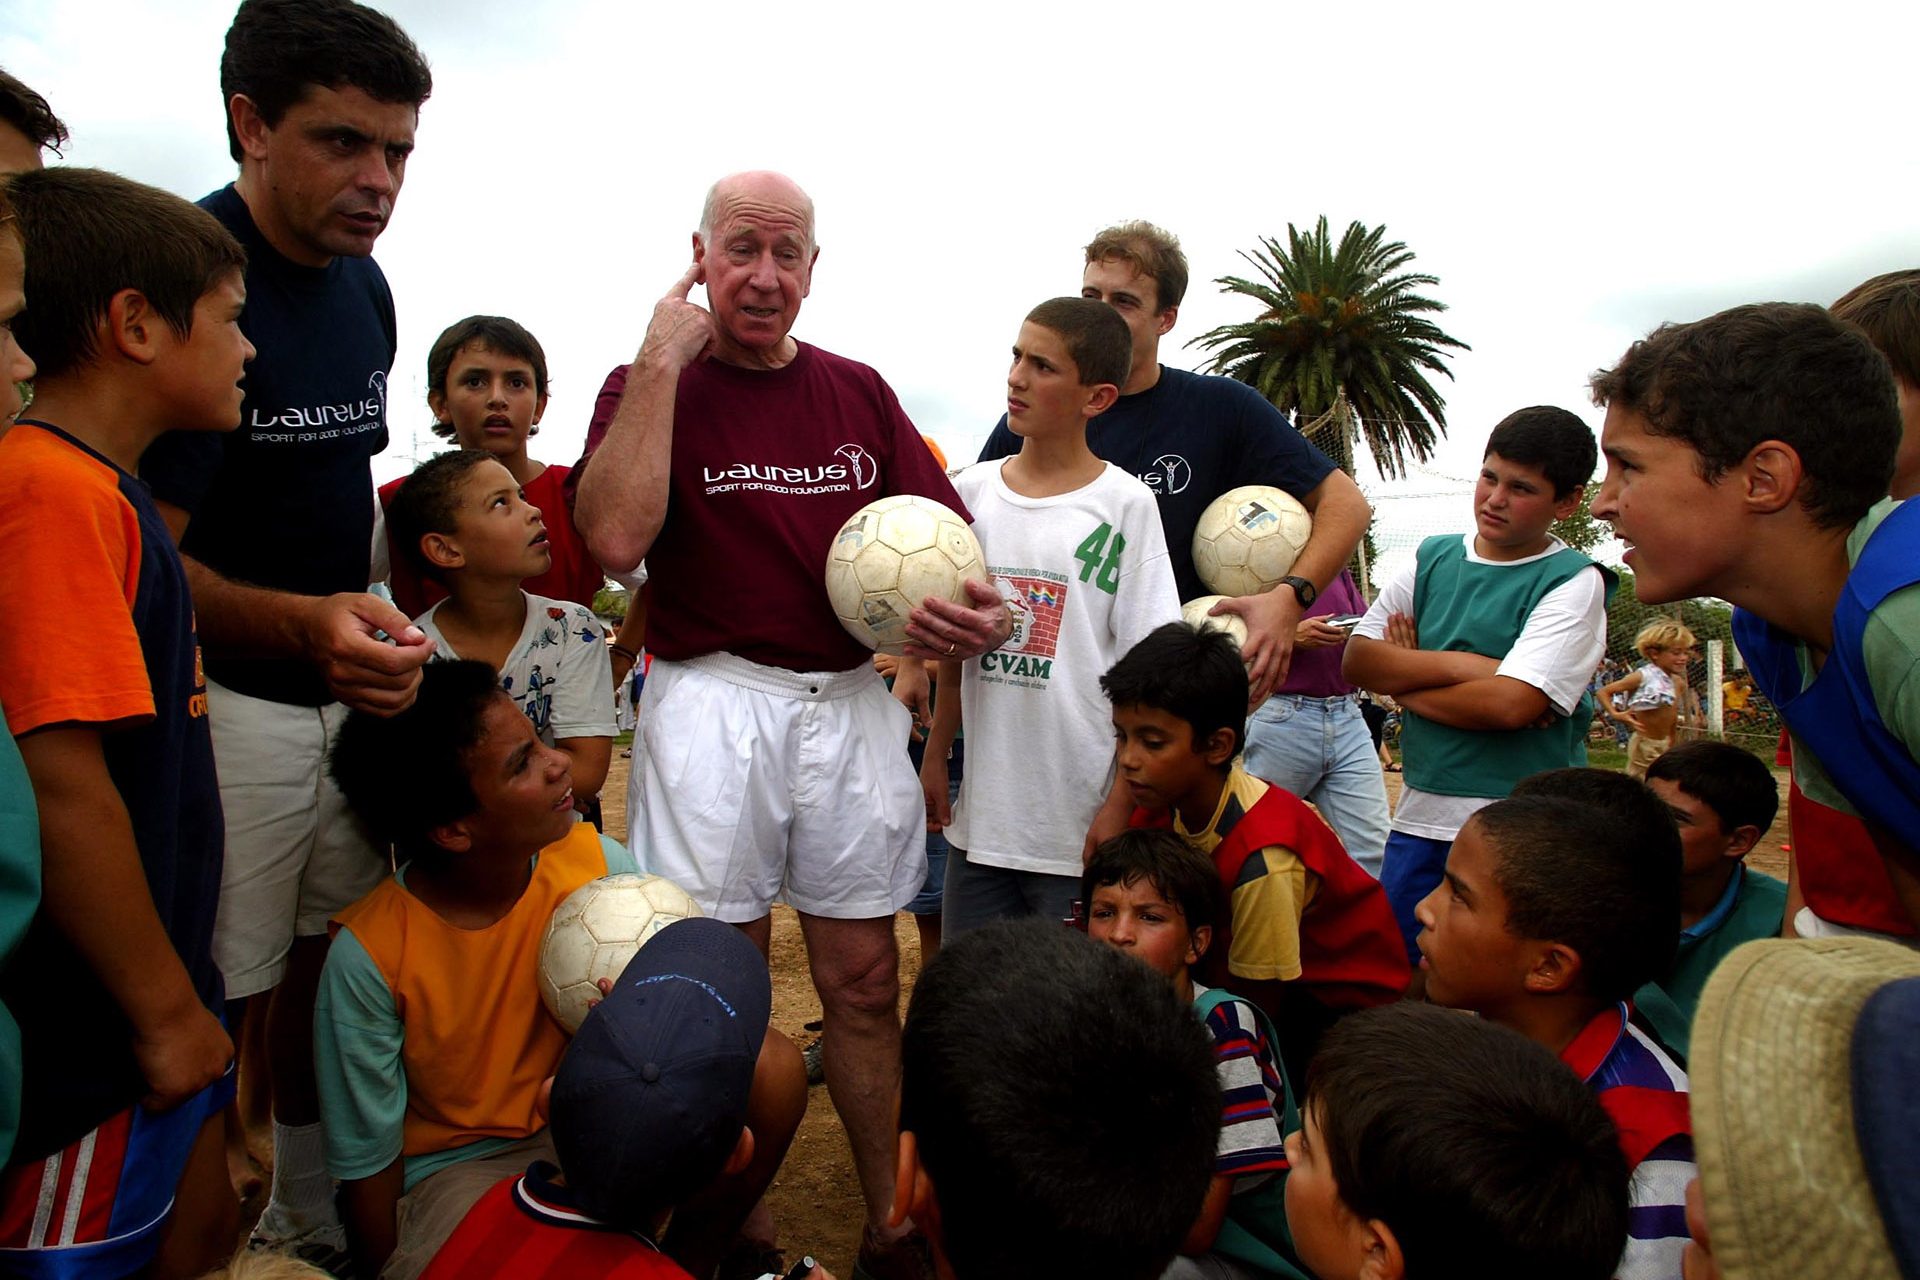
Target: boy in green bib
[[1487, 642]]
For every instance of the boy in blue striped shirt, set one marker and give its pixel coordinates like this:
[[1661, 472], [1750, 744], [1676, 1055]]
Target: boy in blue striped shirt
[[1155, 897]]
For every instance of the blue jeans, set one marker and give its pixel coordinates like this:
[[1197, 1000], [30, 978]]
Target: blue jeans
[[1414, 867], [1319, 749]]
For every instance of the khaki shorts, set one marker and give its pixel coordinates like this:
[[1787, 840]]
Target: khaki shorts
[[428, 1215], [753, 784], [1642, 752], [296, 856]]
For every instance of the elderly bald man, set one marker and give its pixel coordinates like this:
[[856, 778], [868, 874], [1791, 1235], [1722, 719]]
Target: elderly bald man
[[771, 761]]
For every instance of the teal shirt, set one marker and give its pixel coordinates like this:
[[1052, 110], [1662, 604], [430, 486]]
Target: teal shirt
[[363, 1087], [1463, 606], [1750, 909], [19, 899]]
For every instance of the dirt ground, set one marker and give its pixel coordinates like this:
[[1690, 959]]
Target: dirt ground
[[816, 1199]]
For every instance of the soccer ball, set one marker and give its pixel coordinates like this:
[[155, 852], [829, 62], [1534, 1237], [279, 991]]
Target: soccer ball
[[892, 555], [1194, 613], [594, 932], [1247, 539]]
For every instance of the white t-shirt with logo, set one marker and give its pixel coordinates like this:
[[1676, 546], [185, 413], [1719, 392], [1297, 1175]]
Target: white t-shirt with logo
[[1086, 574], [559, 672]]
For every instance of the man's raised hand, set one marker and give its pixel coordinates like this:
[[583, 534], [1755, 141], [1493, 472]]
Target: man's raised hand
[[681, 331]]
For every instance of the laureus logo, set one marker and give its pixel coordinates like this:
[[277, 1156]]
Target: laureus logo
[[865, 470]]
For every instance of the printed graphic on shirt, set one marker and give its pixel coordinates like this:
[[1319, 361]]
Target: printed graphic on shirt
[[310, 423], [1171, 474], [1099, 557], [1037, 600], [535, 696], [856, 470]]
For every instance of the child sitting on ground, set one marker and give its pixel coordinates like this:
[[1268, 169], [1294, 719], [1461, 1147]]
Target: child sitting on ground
[[1153, 896], [650, 1121], [125, 1067], [1723, 799], [1652, 704], [1308, 934], [1488, 642], [463, 520], [1075, 543], [487, 388], [1435, 1145], [430, 1040], [1550, 914], [1748, 457], [1086, 1148]]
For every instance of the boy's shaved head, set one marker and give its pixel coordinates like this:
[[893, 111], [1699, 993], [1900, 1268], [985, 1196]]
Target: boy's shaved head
[[1770, 371]]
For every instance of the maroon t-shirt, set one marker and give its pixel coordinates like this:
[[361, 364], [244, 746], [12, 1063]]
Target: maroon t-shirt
[[767, 465]]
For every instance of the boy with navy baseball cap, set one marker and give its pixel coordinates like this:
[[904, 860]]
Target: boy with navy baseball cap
[[651, 1114]]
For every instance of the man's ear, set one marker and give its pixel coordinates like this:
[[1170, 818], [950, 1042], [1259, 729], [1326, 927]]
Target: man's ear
[[1771, 474], [1220, 746], [442, 551], [249, 126], [1742, 841], [1164, 322], [1099, 400], [700, 258], [131, 327], [1198, 941], [1382, 1259], [1554, 971]]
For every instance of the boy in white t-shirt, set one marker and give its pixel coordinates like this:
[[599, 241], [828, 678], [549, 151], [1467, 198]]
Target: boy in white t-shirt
[[465, 523], [1487, 641], [1075, 545]]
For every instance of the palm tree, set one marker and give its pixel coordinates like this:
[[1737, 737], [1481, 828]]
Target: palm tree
[[1343, 344]]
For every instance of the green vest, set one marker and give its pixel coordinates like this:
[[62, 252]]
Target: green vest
[[1255, 1231], [1463, 606], [1759, 902]]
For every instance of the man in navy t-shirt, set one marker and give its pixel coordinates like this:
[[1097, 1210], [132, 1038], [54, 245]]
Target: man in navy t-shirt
[[1191, 438], [276, 522]]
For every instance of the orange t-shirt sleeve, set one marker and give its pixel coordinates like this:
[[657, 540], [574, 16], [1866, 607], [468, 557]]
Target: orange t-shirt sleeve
[[68, 578]]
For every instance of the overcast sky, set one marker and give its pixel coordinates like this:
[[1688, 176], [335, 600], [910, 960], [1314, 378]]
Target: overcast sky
[[1573, 174]]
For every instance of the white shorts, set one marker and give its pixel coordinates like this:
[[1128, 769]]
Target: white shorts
[[296, 855], [753, 783]]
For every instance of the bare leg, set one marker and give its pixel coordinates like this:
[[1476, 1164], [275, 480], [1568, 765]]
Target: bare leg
[[761, 932], [199, 1234], [705, 1226], [296, 1099], [252, 1108], [856, 970]]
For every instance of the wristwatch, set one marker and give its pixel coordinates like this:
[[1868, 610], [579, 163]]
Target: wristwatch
[[1303, 589]]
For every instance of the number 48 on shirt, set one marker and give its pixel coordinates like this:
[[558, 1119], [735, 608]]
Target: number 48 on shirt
[[1099, 554]]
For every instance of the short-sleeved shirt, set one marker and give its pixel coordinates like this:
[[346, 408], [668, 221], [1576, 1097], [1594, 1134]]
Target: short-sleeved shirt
[[1086, 576], [559, 672], [430, 1041], [767, 465], [528, 1228], [574, 574], [102, 636], [1191, 437], [287, 500], [1751, 907], [1273, 891], [1644, 1091], [1556, 653]]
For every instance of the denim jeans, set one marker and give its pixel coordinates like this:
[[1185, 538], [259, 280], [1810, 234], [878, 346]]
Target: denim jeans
[[1319, 749]]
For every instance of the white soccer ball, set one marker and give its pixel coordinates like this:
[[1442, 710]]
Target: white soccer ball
[[1247, 539], [891, 556], [594, 932], [1194, 613]]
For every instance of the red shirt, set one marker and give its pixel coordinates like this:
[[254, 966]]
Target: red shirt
[[527, 1229], [767, 465], [573, 575]]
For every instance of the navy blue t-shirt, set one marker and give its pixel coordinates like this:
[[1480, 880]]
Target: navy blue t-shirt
[[287, 500], [1190, 438], [77, 1058]]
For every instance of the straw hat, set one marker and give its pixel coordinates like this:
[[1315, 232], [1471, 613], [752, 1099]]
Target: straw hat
[[1786, 1190]]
